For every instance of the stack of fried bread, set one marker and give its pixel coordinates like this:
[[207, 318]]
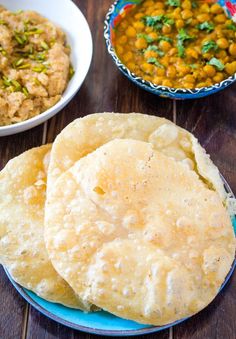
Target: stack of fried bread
[[124, 212]]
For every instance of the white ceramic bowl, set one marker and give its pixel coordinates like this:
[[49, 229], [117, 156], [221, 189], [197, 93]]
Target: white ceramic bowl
[[67, 15]]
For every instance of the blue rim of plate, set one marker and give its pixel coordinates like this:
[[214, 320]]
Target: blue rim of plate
[[44, 306]]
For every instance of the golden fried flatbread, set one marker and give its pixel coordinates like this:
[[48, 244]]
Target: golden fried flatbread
[[138, 234], [85, 135], [22, 248]]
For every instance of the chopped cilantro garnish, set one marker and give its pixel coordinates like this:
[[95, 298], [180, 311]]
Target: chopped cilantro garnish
[[164, 38], [183, 36], [207, 26], [217, 63], [173, 3], [194, 4], [157, 21], [209, 45], [154, 48], [146, 37], [155, 62], [232, 27]]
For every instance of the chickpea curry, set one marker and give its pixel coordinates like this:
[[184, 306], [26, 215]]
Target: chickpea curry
[[178, 43]]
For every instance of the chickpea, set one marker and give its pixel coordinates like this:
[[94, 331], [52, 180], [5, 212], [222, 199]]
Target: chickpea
[[150, 54], [188, 85], [218, 77], [122, 40], [171, 72], [226, 59], [232, 49], [160, 71], [119, 50], [192, 53], [153, 35], [172, 51], [203, 17], [201, 84], [208, 82], [127, 56], [158, 80], [165, 45], [148, 3], [167, 83], [159, 5], [230, 68], [131, 66], [220, 18], [186, 14], [221, 54], [204, 8], [138, 16], [222, 43], [165, 61], [186, 4], [176, 13], [166, 29], [158, 12], [210, 70], [216, 9], [139, 26], [147, 68], [189, 78], [141, 43], [182, 69], [179, 23], [131, 32]]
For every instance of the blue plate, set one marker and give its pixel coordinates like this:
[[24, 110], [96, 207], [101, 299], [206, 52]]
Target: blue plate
[[102, 323]]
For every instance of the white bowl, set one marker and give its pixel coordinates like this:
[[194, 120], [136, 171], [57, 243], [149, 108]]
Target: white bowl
[[67, 15]]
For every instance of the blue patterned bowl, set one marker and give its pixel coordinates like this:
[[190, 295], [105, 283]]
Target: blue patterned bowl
[[112, 19]]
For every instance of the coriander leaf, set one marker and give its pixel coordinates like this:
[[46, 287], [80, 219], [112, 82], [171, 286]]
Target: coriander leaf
[[181, 38], [154, 48], [184, 36], [232, 27], [217, 63], [167, 21], [155, 62], [181, 49], [164, 38], [208, 45], [207, 26], [157, 21], [152, 20], [194, 4], [146, 37], [173, 3]]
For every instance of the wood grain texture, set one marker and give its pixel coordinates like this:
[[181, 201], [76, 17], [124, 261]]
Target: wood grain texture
[[213, 121]]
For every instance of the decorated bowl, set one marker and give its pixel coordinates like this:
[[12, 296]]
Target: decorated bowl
[[115, 14]]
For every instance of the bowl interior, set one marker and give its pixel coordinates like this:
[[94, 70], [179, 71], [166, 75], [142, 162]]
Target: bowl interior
[[66, 15], [115, 15]]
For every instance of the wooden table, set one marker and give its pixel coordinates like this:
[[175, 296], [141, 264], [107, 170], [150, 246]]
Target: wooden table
[[211, 119]]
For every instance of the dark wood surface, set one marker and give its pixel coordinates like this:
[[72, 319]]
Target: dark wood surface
[[211, 119]]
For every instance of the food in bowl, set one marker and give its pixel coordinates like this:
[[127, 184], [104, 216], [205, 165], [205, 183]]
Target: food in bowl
[[178, 44], [34, 65]]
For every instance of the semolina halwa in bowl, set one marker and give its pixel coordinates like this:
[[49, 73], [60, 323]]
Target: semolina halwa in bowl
[[42, 65]]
